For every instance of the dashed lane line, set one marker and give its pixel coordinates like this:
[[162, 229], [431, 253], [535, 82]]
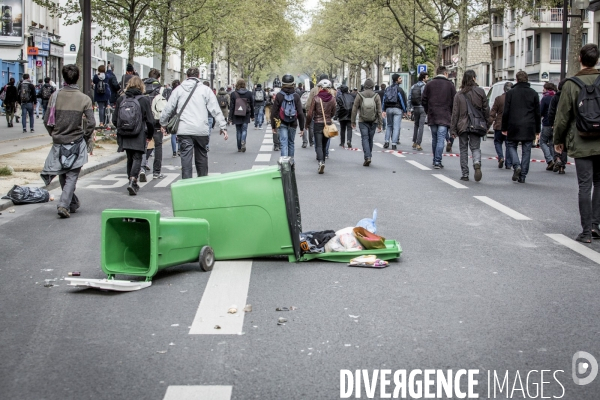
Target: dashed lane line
[[418, 165], [502, 208], [196, 392], [263, 158], [575, 246], [265, 148], [378, 145], [449, 181]]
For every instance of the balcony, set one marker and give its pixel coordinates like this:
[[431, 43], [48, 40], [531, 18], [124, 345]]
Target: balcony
[[497, 34], [511, 28], [549, 18]]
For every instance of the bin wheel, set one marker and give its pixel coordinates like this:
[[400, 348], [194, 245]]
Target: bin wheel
[[206, 258]]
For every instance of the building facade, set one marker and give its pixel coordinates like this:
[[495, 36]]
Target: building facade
[[478, 56]]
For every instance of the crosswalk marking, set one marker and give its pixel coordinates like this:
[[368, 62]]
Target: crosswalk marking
[[265, 148], [268, 141], [502, 208], [167, 180], [263, 158], [418, 165], [196, 392], [227, 287], [121, 180], [449, 181], [575, 246]]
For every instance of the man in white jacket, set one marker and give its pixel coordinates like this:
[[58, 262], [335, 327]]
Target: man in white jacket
[[193, 127]]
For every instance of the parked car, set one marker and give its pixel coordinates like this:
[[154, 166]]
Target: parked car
[[498, 88]]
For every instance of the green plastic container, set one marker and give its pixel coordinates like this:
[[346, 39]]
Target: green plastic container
[[392, 251], [140, 242]]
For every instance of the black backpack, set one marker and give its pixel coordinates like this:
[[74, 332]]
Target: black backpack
[[477, 123], [415, 94], [101, 87], [129, 119], [47, 90], [391, 95], [587, 113], [222, 98], [25, 93]]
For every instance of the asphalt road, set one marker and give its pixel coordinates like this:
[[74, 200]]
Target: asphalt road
[[475, 288]]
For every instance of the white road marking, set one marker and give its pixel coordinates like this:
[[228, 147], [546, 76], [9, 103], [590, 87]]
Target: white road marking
[[180, 392], [418, 165], [121, 180], [267, 141], [575, 246], [260, 166], [266, 148], [378, 145], [268, 136], [167, 180], [502, 208], [398, 154], [449, 181], [149, 179], [227, 287], [263, 158]]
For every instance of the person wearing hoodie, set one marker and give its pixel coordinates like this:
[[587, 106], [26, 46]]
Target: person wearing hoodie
[[546, 137], [322, 111], [10, 101], [135, 146], [129, 72], [344, 102], [368, 119], [193, 121], [241, 111], [496, 120], [287, 128], [223, 98], [259, 105], [102, 93], [560, 161], [309, 103], [26, 98]]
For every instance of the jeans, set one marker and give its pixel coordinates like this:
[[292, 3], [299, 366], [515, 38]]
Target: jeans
[[158, 138], [101, 111], [419, 114], [259, 111], [525, 155], [134, 162], [286, 138], [241, 131], [394, 119], [499, 138], [309, 134], [27, 109], [367, 132], [37, 108], [588, 175], [473, 141], [345, 130], [438, 137], [547, 143], [196, 147], [68, 182], [321, 142], [174, 142]]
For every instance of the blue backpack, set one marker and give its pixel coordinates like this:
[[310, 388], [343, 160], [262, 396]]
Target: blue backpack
[[287, 112], [391, 95]]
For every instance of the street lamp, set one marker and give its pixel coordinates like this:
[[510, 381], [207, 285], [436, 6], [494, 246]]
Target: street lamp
[[582, 5]]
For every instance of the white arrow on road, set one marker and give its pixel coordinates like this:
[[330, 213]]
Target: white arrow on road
[[168, 179]]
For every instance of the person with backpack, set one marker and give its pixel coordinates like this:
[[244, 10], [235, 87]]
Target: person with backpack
[[521, 122], [308, 136], [381, 92], [27, 98], [268, 105], [576, 132], [496, 119], [288, 109], [9, 96], [154, 90], [470, 122], [314, 91], [241, 111], [368, 107], [192, 102], [438, 100], [115, 89], [345, 101], [322, 111], [223, 98], [560, 161], [129, 72], [259, 105], [101, 93], [416, 106], [546, 137], [67, 109], [46, 93], [394, 106], [38, 95], [135, 127]]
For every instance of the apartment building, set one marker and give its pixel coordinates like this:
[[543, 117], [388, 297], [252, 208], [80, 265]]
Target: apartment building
[[478, 56]]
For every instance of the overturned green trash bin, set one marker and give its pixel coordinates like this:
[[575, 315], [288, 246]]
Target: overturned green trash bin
[[140, 242]]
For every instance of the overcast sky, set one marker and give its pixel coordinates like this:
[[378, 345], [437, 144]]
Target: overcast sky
[[309, 6]]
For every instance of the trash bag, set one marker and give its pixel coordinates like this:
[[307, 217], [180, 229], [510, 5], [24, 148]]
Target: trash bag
[[344, 242], [314, 242], [26, 195], [369, 223]]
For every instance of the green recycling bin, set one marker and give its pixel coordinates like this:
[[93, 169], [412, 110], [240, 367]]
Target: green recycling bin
[[252, 213], [140, 242]]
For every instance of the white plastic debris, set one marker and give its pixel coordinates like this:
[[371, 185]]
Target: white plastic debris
[[109, 284]]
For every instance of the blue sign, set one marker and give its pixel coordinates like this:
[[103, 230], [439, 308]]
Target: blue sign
[[45, 44], [421, 68]]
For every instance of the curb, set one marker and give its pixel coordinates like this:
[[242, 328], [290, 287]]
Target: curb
[[4, 204]]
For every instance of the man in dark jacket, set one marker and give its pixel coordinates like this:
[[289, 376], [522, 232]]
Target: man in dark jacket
[[394, 106], [496, 120], [438, 100], [113, 83], [259, 106], [45, 94], [152, 85], [10, 101], [521, 122], [415, 103], [343, 113], [129, 72], [560, 161], [101, 93], [241, 111], [381, 92], [585, 150], [287, 129], [546, 140], [27, 98], [366, 124]]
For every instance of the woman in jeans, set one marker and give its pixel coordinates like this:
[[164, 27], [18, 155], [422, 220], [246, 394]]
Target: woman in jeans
[[326, 99], [242, 99], [135, 146], [101, 97]]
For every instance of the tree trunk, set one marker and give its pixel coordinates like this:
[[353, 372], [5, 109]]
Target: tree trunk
[[182, 58], [79, 59], [440, 50], [165, 40], [575, 40], [131, 50], [463, 38]]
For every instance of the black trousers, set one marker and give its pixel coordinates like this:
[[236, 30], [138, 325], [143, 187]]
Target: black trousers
[[320, 142], [158, 138], [193, 146], [588, 176], [134, 162], [346, 128]]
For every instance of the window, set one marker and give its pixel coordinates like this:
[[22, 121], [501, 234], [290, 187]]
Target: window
[[530, 43], [538, 40], [556, 46], [584, 38], [512, 48]]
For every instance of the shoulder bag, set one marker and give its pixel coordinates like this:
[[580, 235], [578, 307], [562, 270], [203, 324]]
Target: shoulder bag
[[173, 124], [330, 131]]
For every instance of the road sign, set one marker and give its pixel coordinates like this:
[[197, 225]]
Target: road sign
[[421, 68]]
